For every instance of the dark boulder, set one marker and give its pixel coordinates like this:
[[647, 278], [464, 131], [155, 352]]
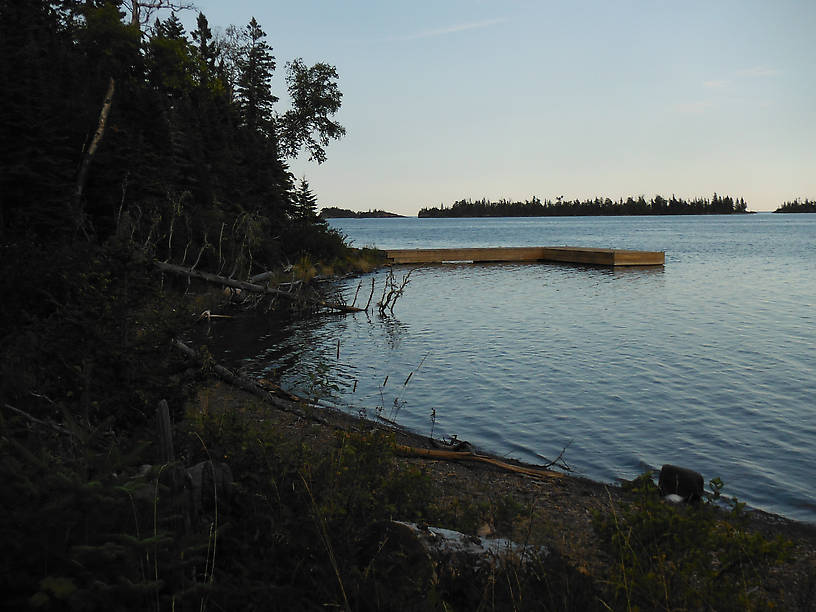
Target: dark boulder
[[686, 483]]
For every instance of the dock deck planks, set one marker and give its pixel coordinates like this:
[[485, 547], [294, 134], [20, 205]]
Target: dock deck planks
[[580, 255]]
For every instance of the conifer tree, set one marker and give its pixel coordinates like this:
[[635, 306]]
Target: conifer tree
[[170, 28], [205, 49], [305, 203], [255, 73]]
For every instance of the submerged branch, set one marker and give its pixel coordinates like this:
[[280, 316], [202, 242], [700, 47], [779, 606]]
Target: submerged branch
[[392, 291]]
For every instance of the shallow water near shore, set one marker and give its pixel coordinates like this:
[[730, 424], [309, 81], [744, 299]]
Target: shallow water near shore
[[707, 362]]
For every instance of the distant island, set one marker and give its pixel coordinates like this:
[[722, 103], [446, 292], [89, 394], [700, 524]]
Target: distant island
[[332, 212], [658, 205], [808, 206]]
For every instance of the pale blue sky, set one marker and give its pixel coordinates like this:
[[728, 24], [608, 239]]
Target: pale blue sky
[[448, 99]]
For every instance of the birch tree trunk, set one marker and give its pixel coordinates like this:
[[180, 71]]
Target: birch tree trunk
[[88, 155]]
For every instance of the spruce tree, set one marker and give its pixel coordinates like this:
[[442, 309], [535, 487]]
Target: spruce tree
[[255, 73], [305, 203], [206, 50]]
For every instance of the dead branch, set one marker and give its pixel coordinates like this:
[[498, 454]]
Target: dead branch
[[122, 200], [203, 248], [392, 291], [559, 461], [370, 295], [141, 10], [170, 237], [253, 288], [209, 315], [359, 286], [262, 276], [246, 384], [221, 261], [33, 419]]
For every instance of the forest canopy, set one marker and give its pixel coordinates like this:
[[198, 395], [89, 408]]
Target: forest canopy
[[115, 120]]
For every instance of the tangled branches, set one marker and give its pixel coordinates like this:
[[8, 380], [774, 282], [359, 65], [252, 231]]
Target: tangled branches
[[392, 291]]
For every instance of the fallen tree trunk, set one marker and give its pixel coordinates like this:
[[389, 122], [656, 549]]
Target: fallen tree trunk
[[247, 385], [246, 286], [412, 451]]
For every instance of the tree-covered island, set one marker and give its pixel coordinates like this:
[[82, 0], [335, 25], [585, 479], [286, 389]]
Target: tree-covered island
[[797, 206], [333, 212], [534, 207]]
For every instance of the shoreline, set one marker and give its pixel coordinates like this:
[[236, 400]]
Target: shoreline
[[339, 419], [562, 508]]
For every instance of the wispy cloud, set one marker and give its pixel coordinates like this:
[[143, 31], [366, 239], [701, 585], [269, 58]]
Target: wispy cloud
[[462, 27], [739, 75], [758, 71], [692, 108]]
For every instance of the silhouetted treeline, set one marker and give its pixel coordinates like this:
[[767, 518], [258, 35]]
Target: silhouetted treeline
[[534, 207], [332, 212], [796, 206]]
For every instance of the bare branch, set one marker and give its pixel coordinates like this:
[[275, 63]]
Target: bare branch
[[559, 461], [393, 291], [34, 419], [229, 282], [370, 295]]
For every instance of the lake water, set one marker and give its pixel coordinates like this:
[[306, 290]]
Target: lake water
[[707, 362]]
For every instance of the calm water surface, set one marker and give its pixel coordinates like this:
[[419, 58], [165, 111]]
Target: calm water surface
[[707, 362]]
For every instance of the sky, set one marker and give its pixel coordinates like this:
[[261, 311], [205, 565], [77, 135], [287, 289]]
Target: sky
[[452, 99]]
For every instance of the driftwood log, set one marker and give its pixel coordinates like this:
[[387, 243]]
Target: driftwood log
[[451, 455], [247, 286]]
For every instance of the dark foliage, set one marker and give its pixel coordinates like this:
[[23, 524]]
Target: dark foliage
[[686, 556], [332, 212], [808, 206], [191, 132], [121, 146], [717, 205]]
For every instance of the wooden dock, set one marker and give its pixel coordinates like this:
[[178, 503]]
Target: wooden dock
[[578, 255]]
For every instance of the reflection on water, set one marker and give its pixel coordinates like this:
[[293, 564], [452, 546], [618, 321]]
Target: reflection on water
[[706, 362], [393, 330]]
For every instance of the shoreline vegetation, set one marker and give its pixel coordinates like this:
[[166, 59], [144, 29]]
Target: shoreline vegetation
[[590, 546], [534, 207], [143, 166], [806, 206], [332, 212]]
